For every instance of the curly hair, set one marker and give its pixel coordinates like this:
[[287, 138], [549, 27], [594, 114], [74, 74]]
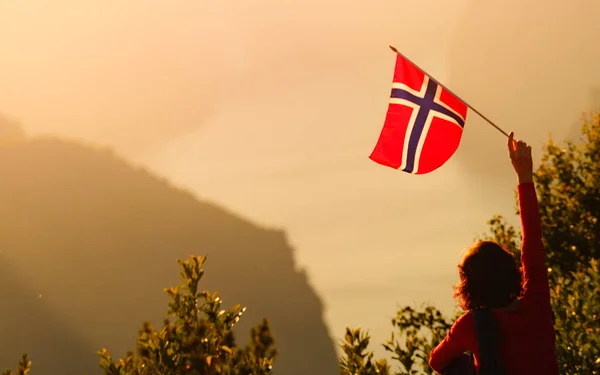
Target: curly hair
[[489, 277]]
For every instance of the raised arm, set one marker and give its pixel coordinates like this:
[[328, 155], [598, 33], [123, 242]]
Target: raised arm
[[536, 289]]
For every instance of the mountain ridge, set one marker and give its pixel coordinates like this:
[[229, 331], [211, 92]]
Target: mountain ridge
[[111, 233]]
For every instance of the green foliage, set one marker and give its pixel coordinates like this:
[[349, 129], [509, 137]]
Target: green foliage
[[23, 367], [356, 359], [196, 338], [568, 185], [576, 305], [568, 182], [416, 332]]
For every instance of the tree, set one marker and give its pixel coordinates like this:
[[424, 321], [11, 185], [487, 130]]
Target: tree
[[196, 338], [416, 334], [356, 359], [568, 185], [23, 367], [576, 306]]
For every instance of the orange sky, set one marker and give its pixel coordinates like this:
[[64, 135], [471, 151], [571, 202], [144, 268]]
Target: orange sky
[[272, 108]]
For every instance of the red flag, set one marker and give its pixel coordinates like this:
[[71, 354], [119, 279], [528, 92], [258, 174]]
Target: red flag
[[423, 125]]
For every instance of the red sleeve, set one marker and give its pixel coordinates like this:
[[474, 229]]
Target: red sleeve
[[536, 289], [455, 343]]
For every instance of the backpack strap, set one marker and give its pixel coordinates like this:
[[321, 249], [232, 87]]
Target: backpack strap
[[487, 339], [463, 365]]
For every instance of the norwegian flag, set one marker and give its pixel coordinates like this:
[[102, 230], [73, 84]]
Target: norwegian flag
[[423, 125]]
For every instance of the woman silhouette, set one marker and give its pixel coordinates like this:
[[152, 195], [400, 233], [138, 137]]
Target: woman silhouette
[[490, 279]]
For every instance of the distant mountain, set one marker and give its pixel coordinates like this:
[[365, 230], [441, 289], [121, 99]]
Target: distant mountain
[[88, 242]]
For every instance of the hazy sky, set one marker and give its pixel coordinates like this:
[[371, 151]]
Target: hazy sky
[[272, 108]]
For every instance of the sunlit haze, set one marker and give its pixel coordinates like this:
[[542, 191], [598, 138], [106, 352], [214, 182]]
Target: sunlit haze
[[271, 109]]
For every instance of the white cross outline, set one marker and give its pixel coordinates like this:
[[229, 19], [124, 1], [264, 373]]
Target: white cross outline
[[415, 110]]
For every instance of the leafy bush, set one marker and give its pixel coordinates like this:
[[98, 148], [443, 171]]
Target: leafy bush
[[196, 338], [23, 367]]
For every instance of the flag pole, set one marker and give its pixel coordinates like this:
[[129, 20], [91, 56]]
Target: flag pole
[[445, 88]]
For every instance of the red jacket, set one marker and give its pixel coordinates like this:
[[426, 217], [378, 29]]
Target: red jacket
[[526, 331]]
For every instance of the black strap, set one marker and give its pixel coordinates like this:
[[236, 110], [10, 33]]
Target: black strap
[[487, 339], [463, 365]]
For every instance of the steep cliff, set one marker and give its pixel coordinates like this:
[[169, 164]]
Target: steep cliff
[[94, 240]]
